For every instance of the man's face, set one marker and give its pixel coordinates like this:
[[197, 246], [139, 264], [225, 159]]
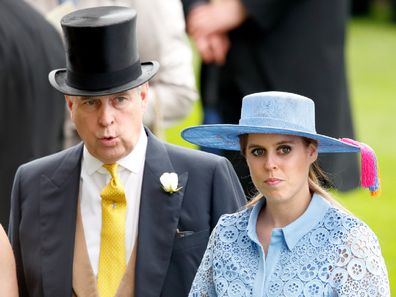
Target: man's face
[[109, 125]]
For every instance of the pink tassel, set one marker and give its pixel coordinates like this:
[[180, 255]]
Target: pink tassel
[[370, 170]]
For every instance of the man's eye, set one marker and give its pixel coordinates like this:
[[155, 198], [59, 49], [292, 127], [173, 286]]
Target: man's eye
[[257, 152], [90, 102], [120, 101], [285, 149]]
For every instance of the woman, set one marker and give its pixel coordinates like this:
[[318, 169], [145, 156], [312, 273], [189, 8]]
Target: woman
[[292, 239], [8, 282]]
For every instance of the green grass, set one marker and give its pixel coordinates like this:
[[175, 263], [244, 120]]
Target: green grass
[[371, 56], [371, 63]]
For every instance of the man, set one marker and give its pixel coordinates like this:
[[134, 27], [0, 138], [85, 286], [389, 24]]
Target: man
[[173, 93], [31, 112], [102, 217]]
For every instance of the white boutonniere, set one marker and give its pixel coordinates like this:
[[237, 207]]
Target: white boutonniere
[[169, 182]]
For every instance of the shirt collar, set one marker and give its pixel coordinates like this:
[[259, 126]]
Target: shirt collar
[[315, 212], [133, 162], [293, 232]]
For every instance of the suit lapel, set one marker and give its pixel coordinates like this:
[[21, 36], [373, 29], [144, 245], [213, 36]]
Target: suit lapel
[[158, 220], [58, 205]]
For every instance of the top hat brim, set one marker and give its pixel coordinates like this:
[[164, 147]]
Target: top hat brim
[[226, 136], [58, 80]]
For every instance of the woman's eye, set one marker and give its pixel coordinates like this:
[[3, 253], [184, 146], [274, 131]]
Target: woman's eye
[[257, 152], [285, 149]]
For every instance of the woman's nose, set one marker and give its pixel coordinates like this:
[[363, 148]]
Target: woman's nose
[[270, 162]]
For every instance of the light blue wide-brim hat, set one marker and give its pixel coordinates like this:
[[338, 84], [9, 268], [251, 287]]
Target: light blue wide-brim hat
[[268, 113]]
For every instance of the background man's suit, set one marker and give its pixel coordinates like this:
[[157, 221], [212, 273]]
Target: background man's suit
[[31, 111], [293, 46], [43, 219]]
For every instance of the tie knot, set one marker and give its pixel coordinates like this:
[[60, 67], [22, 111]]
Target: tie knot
[[112, 169]]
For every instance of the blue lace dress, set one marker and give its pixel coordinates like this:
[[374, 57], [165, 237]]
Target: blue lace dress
[[325, 252]]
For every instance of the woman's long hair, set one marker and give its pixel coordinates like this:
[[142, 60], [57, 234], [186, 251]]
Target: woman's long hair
[[316, 176]]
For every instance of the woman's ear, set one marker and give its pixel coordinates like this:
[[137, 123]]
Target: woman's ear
[[312, 152]]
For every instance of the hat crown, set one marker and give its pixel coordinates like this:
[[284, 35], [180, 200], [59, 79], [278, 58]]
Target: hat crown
[[278, 110], [98, 16], [101, 47]]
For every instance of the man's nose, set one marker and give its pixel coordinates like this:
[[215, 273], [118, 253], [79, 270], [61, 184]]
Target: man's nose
[[106, 114]]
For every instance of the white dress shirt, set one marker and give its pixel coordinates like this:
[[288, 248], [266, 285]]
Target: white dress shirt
[[93, 179]]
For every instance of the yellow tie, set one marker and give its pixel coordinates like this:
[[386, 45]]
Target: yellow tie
[[112, 259]]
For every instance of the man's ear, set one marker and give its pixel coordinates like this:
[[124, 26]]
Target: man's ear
[[69, 102], [143, 92]]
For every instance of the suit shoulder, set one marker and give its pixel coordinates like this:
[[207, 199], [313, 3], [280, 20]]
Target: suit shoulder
[[50, 162], [193, 154]]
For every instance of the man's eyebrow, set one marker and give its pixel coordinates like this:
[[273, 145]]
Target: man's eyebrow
[[123, 94], [87, 97]]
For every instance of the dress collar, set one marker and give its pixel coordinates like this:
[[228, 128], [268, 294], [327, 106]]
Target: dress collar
[[132, 162], [293, 232]]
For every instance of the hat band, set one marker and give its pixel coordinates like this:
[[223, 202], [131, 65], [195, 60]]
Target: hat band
[[275, 124], [103, 81]]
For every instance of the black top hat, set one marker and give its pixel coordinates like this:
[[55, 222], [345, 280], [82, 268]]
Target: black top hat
[[101, 53]]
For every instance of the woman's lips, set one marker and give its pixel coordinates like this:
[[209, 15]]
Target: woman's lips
[[272, 181]]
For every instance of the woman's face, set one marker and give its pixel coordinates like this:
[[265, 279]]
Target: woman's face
[[279, 165]]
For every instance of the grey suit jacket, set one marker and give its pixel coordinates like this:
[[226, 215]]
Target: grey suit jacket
[[43, 219]]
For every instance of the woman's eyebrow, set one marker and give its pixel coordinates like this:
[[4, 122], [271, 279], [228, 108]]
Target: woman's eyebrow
[[276, 144]]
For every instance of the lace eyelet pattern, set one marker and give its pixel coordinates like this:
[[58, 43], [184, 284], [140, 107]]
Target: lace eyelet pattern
[[340, 256]]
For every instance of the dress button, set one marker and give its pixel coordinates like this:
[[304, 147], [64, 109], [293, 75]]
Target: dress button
[[373, 265], [319, 237], [293, 288], [229, 234], [331, 221], [308, 272], [313, 288], [236, 289], [338, 235], [221, 286], [344, 255], [275, 288], [359, 248], [357, 269], [338, 277], [228, 220]]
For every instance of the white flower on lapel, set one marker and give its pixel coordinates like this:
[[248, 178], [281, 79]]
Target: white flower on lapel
[[169, 182]]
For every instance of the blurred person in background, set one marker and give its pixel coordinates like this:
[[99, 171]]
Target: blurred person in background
[[32, 112], [8, 281], [162, 37], [293, 46]]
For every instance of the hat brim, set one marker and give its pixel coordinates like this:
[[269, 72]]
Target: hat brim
[[57, 79], [226, 136]]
